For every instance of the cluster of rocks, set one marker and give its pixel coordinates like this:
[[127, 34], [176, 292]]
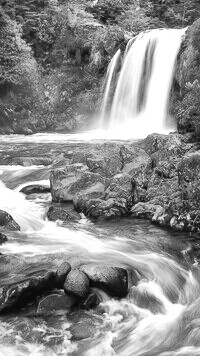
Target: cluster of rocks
[[155, 178], [67, 288]]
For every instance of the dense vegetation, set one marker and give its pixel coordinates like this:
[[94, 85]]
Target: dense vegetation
[[54, 53]]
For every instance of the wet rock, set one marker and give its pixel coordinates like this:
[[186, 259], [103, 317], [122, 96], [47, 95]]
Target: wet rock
[[74, 179], [61, 274], [35, 189], [84, 325], [76, 283], [114, 280], [64, 213], [144, 210], [18, 295], [3, 238], [161, 191], [137, 163], [7, 222], [91, 302], [55, 302]]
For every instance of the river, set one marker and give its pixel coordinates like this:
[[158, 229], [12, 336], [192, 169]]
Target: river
[[159, 317]]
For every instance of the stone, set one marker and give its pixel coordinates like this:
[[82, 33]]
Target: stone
[[137, 163], [63, 212], [56, 302], [76, 283], [144, 210], [121, 186], [7, 222], [3, 238], [35, 189], [74, 179], [98, 209], [188, 179], [18, 295], [113, 280], [61, 274], [91, 301]]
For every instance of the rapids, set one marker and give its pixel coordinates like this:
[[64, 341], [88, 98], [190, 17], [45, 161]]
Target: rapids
[[159, 317]]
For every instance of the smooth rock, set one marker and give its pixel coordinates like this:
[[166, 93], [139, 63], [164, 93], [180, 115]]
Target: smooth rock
[[35, 189], [114, 280], [7, 221], [61, 274], [18, 295], [76, 283], [91, 301], [55, 302]]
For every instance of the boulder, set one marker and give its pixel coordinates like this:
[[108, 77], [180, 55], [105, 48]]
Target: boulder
[[103, 159], [114, 280], [98, 209], [56, 302], [137, 163], [35, 189], [76, 283], [61, 274], [7, 222], [3, 238], [18, 295], [121, 186], [63, 212], [74, 179], [144, 210]]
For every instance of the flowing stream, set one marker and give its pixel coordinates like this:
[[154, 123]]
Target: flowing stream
[[159, 317]]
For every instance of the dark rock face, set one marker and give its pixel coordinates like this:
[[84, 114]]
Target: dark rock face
[[76, 283], [61, 274], [91, 301], [35, 189], [187, 102], [63, 213], [7, 222], [19, 295], [55, 302], [113, 280], [3, 238]]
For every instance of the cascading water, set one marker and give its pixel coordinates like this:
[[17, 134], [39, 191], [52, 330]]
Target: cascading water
[[108, 81], [140, 102]]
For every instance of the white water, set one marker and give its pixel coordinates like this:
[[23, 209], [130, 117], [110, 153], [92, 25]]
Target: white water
[[140, 103], [107, 86], [167, 324]]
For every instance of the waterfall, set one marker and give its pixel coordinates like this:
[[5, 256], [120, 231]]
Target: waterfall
[[108, 84], [141, 98]]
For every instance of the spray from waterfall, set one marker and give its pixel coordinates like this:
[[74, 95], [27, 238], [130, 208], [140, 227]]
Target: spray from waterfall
[[141, 98]]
